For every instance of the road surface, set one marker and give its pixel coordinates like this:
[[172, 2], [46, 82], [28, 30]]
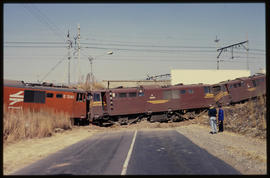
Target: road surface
[[142, 152]]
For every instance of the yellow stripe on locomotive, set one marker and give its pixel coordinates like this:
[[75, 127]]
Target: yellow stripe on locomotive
[[157, 101]]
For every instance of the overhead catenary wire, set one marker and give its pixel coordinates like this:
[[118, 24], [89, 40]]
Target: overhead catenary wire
[[41, 17], [185, 48], [53, 68]]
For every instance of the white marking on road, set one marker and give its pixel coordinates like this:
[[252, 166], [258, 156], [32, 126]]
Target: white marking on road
[[124, 169]]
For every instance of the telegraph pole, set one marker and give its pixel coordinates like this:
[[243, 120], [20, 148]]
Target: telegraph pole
[[69, 46], [79, 50]]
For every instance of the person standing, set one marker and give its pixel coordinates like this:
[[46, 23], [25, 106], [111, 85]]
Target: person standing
[[212, 113], [220, 118]]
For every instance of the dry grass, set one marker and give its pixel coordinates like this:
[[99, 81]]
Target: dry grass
[[88, 84], [26, 124]]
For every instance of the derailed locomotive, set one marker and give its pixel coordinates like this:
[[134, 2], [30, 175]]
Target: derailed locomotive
[[21, 96], [128, 105], [169, 103]]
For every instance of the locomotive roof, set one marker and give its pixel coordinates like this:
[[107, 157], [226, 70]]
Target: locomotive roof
[[257, 75], [126, 89], [21, 84]]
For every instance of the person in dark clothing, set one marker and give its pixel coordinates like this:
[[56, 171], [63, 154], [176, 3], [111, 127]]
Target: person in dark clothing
[[212, 113], [220, 118]]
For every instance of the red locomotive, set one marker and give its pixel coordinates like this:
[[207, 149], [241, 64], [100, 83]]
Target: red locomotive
[[19, 95]]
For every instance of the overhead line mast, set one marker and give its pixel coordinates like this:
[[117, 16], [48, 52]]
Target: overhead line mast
[[236, 45]]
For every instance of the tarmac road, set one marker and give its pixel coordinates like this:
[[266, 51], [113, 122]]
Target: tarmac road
[[142, 152]]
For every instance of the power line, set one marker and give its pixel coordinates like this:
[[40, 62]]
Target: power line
[[53, 68], [93, 47], [44, 19], [130, 49], [28, 46], [165, 60]]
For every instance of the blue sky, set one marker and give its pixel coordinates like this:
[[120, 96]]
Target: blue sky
[[147, 39]]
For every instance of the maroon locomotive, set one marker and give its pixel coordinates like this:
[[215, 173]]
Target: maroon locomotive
[[20, 96], [239, 90], [164, 103], [154, 102]]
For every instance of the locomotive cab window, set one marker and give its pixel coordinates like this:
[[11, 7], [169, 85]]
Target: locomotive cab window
[[79, 97], [59, 95], [96, 97], [49, 95], [31, 96], [206, 89], [216, 89], [254, 83], [88, 96]]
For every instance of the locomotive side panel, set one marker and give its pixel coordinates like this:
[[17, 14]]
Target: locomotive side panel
[[59, 101], [161, 100], [126, 101], [259, 84], [193, 97]]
